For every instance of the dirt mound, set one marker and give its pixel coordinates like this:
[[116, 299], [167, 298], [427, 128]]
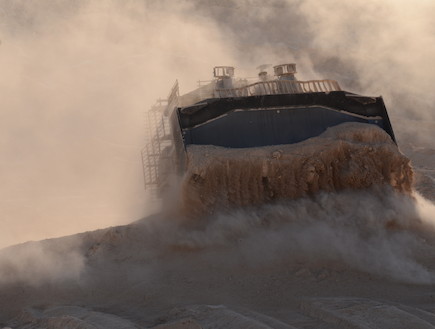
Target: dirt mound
[[348, 156]]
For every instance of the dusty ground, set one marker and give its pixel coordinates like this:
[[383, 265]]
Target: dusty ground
[[244, 271]]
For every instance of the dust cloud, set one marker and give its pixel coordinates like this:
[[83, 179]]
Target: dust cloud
[[76, 80], [38, 263], [347, 228], [371, 47], [378, 231]]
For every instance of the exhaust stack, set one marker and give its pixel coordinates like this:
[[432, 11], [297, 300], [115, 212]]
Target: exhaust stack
[[285, 71], [224, 76]]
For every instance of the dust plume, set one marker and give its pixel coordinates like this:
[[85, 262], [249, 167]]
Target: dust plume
[[371, 47], [426, 211], [76, 79], [377, 231], [349, 228], [37, 263]]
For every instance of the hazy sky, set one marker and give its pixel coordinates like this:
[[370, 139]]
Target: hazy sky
[[77, 77]]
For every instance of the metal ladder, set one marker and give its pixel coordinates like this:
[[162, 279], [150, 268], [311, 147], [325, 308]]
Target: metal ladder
[[157, 155]]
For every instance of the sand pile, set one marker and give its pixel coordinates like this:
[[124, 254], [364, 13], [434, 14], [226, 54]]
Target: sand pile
[[348, 156]]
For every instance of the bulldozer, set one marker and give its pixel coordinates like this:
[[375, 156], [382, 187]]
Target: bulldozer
[[238, 142]]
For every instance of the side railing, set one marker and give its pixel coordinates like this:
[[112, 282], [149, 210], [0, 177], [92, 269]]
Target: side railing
[[158, 151], [277, 87]]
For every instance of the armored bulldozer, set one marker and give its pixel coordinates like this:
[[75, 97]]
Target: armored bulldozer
[[245, 142]]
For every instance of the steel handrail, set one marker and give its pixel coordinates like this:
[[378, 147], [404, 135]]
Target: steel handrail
[[280, 87]]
